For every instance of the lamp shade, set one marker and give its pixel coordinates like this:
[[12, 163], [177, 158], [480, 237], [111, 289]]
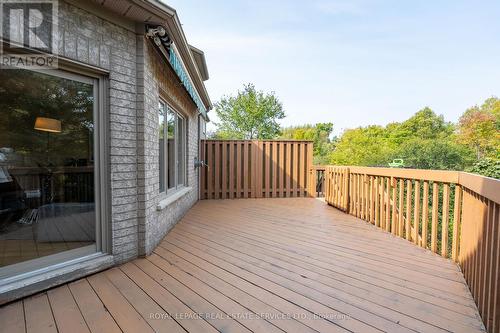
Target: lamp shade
[[48, 125]]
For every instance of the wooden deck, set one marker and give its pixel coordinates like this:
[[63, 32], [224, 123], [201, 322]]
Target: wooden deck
[[262, 265]]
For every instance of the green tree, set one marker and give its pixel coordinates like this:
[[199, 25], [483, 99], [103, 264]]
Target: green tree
[[251, 114], [438, 154], [364, 146], [479, 128], [318, 133], [424, 141]]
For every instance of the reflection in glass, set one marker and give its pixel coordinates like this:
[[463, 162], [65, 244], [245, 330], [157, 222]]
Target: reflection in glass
[[181, 159], [161, 132], [46, 165], [171, 116]]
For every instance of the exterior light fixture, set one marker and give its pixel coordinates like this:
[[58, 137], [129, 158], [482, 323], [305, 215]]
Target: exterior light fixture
[[159, 35]]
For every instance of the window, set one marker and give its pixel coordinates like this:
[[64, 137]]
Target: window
[[172, 144], [47, 166]]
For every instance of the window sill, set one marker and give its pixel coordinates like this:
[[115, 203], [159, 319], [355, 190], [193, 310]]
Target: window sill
[[172, 198]]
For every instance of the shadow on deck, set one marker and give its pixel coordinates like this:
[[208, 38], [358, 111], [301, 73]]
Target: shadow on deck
[[263, 265]]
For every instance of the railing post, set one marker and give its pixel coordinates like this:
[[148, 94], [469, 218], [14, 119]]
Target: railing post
[[347, 194], [312, 182]]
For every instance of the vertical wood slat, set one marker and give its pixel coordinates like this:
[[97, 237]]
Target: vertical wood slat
[[231, 170], [483, 281], [217, 170], [382, 202], [425, 214], [366, 187], [377, 200], [479, 256], [267, 170], [210, 172], [401, 220], [274, 162], [362, 179], [457, 211], [288, 159], [295, 169], [445, 220], [388, 206], [202, 172], [416, 213], [494, 285], [224, 167], [372, 200], [434, 222], [246, 173], [408, 209], [239, 173], [394, 228], [259, 179], [282, 173]]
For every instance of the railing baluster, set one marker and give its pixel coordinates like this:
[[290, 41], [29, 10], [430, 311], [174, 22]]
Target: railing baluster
[[377, 194], [382, 202], [401, 222], [416, 213], [408, 209], [425, 214], [388, 206], [434, 226], [457, 214], [445, 219], [394, 229]]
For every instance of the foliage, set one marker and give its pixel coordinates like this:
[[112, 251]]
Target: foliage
[[319, 133], [424, 141], [438, 154], [479, 128], [362, 146], [40, 95], [251, 114], [488, 167]]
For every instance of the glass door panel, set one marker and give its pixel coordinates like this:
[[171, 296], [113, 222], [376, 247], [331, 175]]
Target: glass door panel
[[47, 190]]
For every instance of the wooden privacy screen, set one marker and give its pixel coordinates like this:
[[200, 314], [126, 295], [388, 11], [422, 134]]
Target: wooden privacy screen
[[454, 214], [255, 169]]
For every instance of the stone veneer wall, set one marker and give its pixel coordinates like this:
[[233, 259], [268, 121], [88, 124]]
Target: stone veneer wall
[[159, 80], [136, 75], [91, 40]]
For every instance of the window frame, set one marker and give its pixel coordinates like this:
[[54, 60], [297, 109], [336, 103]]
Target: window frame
[[167, 154]]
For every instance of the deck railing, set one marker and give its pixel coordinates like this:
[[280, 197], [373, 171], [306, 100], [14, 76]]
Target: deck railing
[[453, 214], [255, 168]]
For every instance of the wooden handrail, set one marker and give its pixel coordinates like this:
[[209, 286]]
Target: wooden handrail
[[454, 214]]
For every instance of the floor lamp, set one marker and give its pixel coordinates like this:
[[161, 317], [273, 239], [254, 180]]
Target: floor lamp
[[48, 125]]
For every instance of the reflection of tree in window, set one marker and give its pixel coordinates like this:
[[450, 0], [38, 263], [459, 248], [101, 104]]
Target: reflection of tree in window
[[47, 191], [171, 147], [180, 150], [161, 131]]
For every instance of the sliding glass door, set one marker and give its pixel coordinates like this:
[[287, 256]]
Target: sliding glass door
[[47, 167]]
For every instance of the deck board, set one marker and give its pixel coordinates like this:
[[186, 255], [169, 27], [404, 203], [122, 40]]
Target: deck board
[[263, 265]]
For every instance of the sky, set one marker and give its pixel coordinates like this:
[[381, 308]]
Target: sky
[[350, 62]]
